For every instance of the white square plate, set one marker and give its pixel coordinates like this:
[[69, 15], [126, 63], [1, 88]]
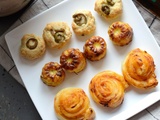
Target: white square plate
[[43, 95]]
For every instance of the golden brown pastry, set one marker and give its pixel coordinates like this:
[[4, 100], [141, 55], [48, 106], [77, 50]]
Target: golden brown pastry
[[120, 33], [108, 9], [32, 46], [73, 104], [95, 48], [57, 34], [73, 60], [107, 88], [83, 22], [52, 74], [138, 69]]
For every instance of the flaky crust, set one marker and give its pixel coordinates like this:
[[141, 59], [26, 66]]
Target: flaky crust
[[83, 22], [120, 33], [73, 60], [107, 88], [52, 74], [57, 34], [95, 48], [108, 10], [32, 46], [138, 69], [73, 104]]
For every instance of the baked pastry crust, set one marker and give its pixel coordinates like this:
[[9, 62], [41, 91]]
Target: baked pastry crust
[[95, 48], [32, 46], [108, 9], [73, 60], [120, 33], [138, 69], [52, 74], [73, 104], [83, 22], [57, 34], [107, 88]]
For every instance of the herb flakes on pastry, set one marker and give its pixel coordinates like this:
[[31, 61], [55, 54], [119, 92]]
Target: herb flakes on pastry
[[73, 104], [32, 46], [120, 33], [95, 48], [83, 22], [139, 69], [57, 34], [52, 74], [108, 9], [107, 88]]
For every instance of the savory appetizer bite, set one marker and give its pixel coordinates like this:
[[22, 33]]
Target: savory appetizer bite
[[32, 46], [95, 48], [83, 22], [73, 104], [120, 33], [73, 60], [107, 88], [57, 34], [108, 9], [52, 74], [139, 69]]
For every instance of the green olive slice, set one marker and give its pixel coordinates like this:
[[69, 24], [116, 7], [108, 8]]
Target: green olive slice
[[110, 2], [105, 9], [32, 43], [59, 35], [80, 19]]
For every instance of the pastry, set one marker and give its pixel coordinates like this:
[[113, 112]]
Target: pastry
[[73, 104], [73, 60], [120, 33], [139, 69], [83, 22], [95, 48], [52, 74], [32, 46], [107, 88], [57, 34], [108, 9]]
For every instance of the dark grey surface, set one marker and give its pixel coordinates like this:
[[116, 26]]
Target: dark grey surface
[[15, 103]]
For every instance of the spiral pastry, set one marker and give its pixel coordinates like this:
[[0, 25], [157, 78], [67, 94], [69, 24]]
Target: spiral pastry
[[107, 88], [83, 22], [52, 74], [73, 104], [138, 69], [95, 48], [120, 33], [108, 9], [57, 34], [32, 46], [73, 60]]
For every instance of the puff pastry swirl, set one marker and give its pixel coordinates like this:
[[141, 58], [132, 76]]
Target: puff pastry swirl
[[73, 104], [107, 88], [138, 69]]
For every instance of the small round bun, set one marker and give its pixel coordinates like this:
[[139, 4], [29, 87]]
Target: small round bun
[[73, 60], [95, 48], [108, 9], [32, 46], [139, 69], [120, 33], [57, 34], [107, 88], [83, 22], [52, 74], [73, 104]]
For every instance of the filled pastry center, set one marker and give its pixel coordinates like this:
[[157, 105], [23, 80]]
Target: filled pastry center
[[32, 43], [80, 19], [58, 35]]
